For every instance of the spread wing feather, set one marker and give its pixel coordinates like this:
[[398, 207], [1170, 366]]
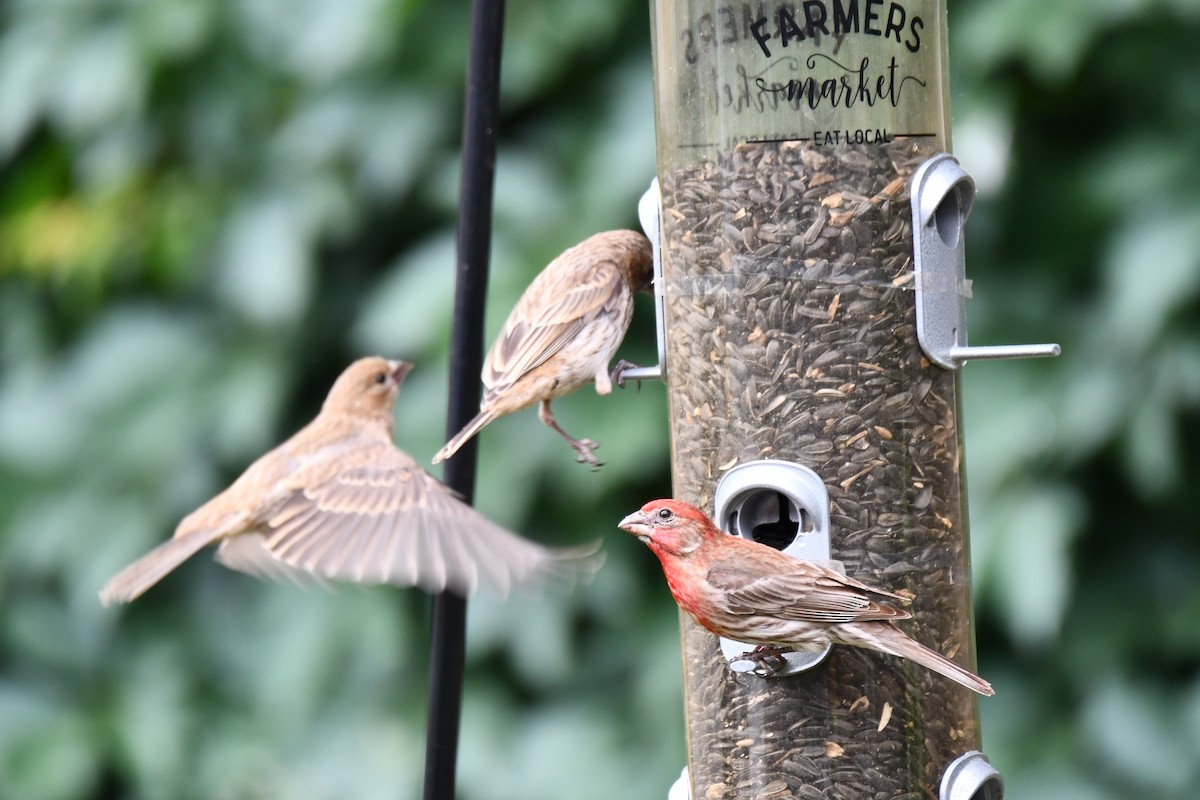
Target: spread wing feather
[[372, 515]]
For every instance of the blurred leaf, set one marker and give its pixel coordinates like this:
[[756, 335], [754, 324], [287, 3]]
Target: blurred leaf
[[266, 269], [44, 749], [1050, 39], [1095, 399], [1138, 737], [152, 719], [544, 38], [316, 39], [99, 79], [27, 57], [408, 311], [173, 29], [1153, 270], [1032, 565]]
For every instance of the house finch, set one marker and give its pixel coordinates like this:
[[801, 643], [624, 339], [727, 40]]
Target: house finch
[[339, 501], [563, 332], [747, 591]]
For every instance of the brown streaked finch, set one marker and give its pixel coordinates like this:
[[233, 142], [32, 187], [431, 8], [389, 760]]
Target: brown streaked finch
[[563, 333], [338, 501], [753, 593]]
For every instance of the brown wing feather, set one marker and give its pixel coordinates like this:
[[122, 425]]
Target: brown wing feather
[[800, 590], [538, 329], [374, 516]]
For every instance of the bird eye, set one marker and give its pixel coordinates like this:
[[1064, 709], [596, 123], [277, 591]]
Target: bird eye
[[381, 377], [665, 513]]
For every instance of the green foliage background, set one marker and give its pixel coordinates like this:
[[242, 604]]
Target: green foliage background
[[208, 208]]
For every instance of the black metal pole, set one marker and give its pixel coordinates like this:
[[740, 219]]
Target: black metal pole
[[480, 122]]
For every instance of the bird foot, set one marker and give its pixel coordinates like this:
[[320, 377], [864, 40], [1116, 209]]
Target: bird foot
[[767, 659], [618, 373], [586, 449]]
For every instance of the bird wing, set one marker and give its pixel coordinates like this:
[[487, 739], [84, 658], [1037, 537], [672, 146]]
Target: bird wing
[[800, 591], [551, 313], [372, 515]]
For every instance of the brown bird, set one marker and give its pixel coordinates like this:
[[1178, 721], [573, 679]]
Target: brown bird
[[563, 333], [753, 593], [339, 501]]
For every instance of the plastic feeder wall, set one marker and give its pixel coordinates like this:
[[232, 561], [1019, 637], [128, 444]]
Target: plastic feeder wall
[[788, 136]]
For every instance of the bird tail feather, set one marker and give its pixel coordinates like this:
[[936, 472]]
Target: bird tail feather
[[890, 639], [470, 429], [151, 568]]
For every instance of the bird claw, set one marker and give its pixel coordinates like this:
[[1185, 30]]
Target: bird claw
[[586, 449], [618, 374], [769, 666], [768, 659]]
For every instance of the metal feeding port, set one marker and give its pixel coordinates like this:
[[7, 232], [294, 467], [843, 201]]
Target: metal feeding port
[[785, 506], [650, 216], [971, 777], [943, 194]]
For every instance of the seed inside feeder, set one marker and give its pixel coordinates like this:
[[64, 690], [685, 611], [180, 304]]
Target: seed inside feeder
[[791, 335]]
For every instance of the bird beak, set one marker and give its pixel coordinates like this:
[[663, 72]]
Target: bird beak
[[399, 370], [636, 524]]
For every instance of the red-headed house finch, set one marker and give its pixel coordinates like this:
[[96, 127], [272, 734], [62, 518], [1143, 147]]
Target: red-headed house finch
[[339, 501], [563, 333], [747, 591]]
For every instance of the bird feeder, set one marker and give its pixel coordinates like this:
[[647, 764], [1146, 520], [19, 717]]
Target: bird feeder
[[813, 298]]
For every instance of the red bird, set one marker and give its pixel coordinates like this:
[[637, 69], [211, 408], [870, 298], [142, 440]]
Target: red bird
[[752, 593]]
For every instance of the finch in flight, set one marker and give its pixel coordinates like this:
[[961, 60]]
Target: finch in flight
[[338, 501]]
